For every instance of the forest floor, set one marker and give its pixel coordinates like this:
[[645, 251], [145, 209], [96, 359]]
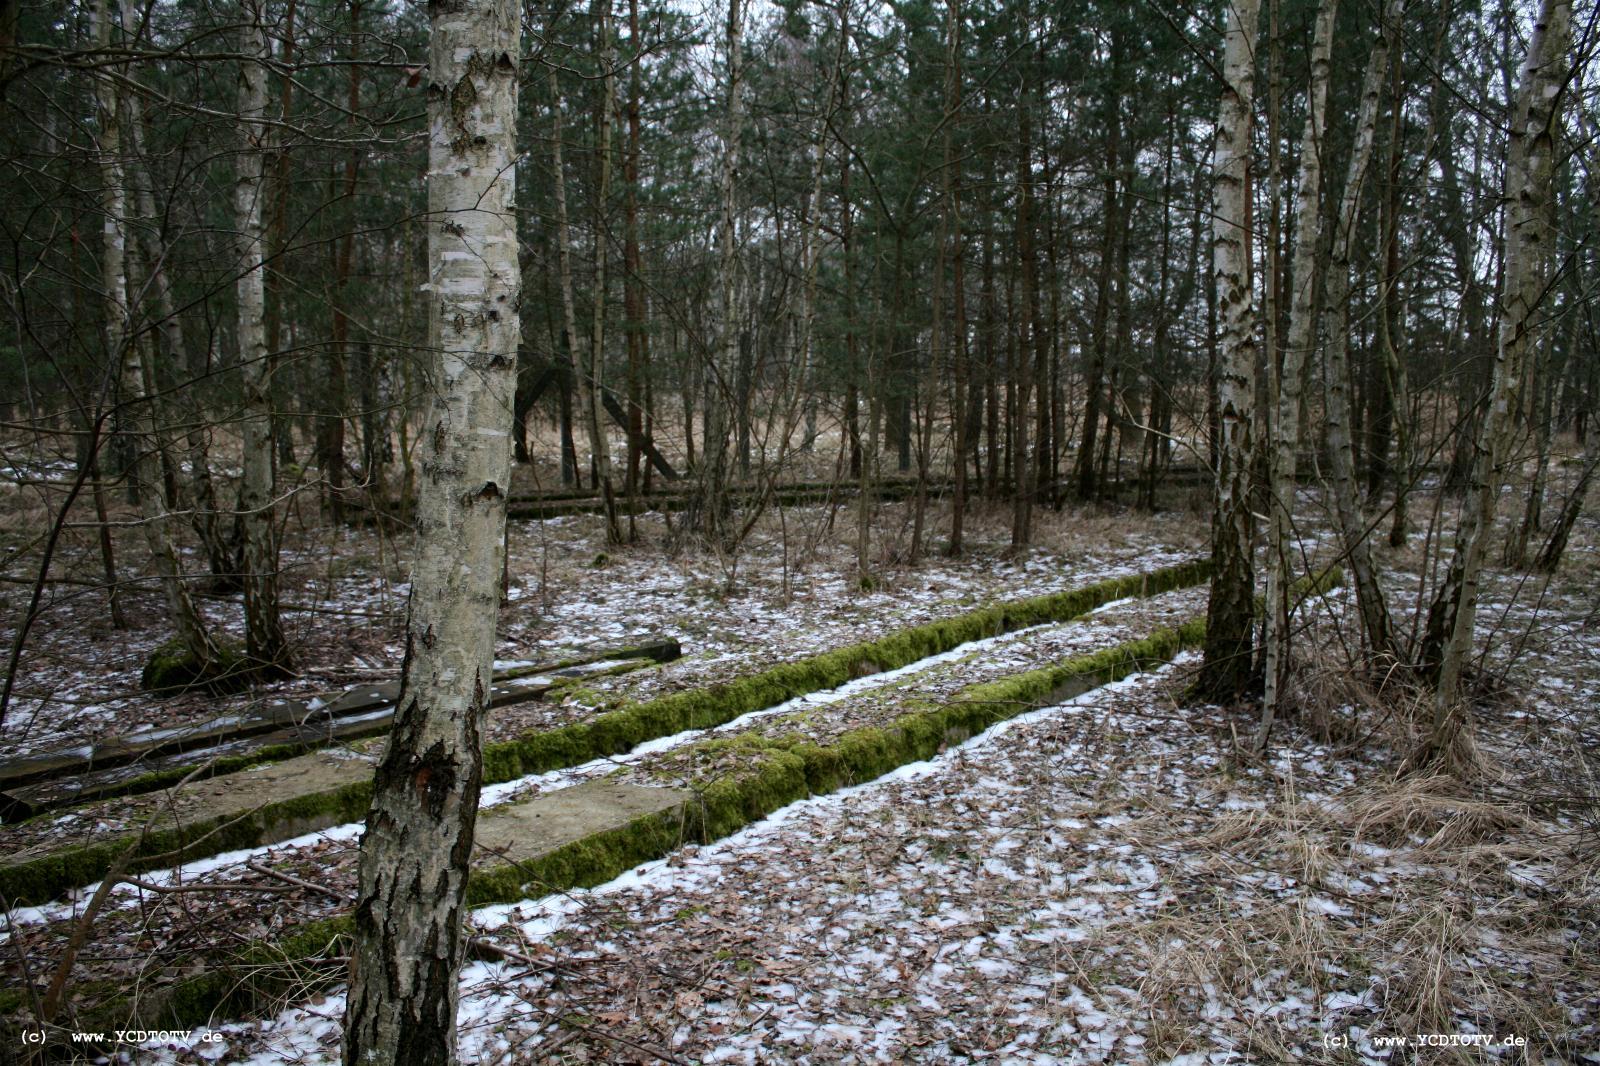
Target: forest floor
[[791, 591], [1111, 879]]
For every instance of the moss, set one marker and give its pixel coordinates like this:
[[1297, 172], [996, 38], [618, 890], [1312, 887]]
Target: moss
[[582, 863], [160, 779], [46, 877], [869, 752], [171, 670], [617, 731], [785, 770], [303, 963]]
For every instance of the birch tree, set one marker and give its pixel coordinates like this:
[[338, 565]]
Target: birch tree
[[1285, 383], [1528, 238], [710, 505], [569, 316], [1230, 613], [594, 380], [194, 657], [418, 840]]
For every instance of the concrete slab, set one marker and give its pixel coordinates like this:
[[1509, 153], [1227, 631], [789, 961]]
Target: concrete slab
[[525, 831]]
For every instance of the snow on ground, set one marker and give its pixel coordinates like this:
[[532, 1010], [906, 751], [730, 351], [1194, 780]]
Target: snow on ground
[[1093, 883], [136, 915], [775, 601]]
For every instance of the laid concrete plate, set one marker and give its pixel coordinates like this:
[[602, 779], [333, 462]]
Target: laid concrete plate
[[525, 831]]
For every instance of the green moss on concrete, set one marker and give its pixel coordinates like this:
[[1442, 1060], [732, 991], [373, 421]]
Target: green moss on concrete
[[778, 772], [48, 876], [612, 732], [157, 780], [582, 863], [615, 732], [783, 770]]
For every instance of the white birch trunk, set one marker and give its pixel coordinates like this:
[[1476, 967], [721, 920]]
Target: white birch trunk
[[206, 516], [713, 484], [263, 634], [418, 841], [197, 647], [1285, 385], [811, 248], [1335, 312], [1230, 614], [594, 381], [1530, 156], [569, 316]]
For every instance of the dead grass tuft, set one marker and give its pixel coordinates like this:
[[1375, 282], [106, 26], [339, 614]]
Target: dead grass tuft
[[1431, 812]]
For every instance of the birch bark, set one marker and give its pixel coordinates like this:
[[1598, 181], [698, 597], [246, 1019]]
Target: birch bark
[[1336, 371], [1286, 382], [1530, 156], [712, 503], [594, 380], [569, 316], [264, 642], [1226, 671], [200, 652], [414, 855]]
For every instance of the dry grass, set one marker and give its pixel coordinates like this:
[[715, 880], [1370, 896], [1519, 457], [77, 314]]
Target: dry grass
[[1469, 918], [1434, 813]]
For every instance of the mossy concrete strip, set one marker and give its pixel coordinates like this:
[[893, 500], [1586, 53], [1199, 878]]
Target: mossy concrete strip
[[577, 837], [619, 730], [515, 838], [264, 804], [535, 848], [245, 810], [45, 876], [644, 824]]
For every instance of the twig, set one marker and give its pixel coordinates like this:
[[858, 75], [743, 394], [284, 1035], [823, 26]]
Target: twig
[[488, 947], [293, 880], [177, 890], [23, 969], [664, 1056], [80, 933]]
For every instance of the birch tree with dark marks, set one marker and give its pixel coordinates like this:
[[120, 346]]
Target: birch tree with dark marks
[[1530, 164], [1226, 672], [414, 855]]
